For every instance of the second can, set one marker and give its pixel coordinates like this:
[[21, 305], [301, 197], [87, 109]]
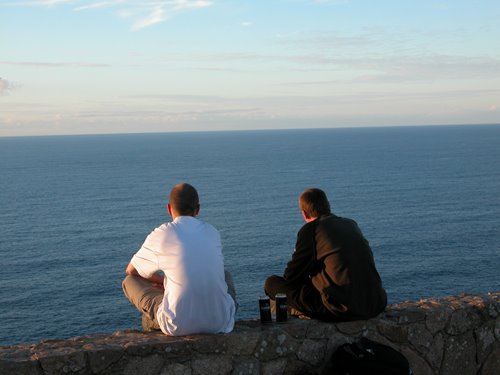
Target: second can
[[281, 308]]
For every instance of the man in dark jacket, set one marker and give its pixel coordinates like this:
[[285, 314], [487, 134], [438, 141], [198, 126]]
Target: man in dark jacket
[[332, 274]]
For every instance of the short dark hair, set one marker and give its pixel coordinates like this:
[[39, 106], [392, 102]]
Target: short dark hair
[[184, 199], [314, 202]]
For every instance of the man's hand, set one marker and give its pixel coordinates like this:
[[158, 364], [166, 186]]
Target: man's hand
[[156, 279], [130, 270]]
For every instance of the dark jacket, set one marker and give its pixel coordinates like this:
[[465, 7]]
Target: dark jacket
[[332, 253]]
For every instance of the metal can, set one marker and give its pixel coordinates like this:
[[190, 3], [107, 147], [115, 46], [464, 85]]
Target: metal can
[[265, 310], [281, 308]]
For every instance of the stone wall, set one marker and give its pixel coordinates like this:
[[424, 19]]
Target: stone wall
[[452, 335]]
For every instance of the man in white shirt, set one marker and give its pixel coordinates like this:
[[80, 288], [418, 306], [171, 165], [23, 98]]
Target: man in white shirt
[[177, 279]]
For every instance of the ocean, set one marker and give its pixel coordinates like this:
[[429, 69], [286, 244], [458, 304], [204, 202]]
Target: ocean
[[74, 209]]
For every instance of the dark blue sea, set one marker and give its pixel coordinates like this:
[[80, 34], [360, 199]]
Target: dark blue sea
[[74, 209]]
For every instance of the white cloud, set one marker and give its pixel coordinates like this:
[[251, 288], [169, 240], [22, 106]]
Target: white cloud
[[44, 3], [40, 64], [141, 13], [101, 4], [159, 11], [157, 15], [6, 86]]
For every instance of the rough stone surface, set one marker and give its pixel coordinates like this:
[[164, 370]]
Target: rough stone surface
[[312, 352], [418, 364], [100, 358], [394, 332], [274, 367], [151, 364], [450, 335], [420, 337], [176, 369], [212, 365], [492, 363], [249, 367], [485, 339], [460, 355]]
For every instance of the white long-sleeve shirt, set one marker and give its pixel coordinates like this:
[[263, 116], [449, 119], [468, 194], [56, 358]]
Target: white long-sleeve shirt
[[196, 299]]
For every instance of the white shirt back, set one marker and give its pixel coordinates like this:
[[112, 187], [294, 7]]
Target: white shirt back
[[196, 299]]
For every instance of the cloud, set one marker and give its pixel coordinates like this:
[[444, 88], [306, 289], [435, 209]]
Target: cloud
[[159, 11], [6, 87], [44, 3], [97, 5], [157, 15], [141, 13], [54, 64]]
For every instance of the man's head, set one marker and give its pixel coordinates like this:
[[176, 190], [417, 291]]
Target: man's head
[[313, 203], [183, 201]]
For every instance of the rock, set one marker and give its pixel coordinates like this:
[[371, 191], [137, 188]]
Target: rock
[[492, 363], [485, 338], [151, 365], [294, 367], [276, 367], [29, 367], [435, 352], [461, 321], [393, 332], [247, 367], [209, 344], [176, 369], [352, 328], [212, 365], [420, 337], [242, 344], [100, 358], [459, 355], [295, 327], [320, 330], [497, 328], [17, 359], [494, 306], [312, 352], [412, 315], [62, 360], [451, 335], [438, 320], [418, 365], [274, 344]]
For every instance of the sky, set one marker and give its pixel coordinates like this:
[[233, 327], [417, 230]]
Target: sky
[[125, 66]]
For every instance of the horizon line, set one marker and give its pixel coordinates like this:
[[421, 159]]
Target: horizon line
[[244, 130]]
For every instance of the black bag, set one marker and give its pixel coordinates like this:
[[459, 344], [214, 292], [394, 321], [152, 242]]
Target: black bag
[[367, 357]]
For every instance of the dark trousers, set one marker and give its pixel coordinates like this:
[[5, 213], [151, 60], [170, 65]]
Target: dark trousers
[[304, 298]]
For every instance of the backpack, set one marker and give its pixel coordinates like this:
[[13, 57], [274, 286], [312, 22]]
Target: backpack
[[367, 357]]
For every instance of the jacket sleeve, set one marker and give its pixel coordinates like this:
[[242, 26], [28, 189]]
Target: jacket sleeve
[[299, 268]]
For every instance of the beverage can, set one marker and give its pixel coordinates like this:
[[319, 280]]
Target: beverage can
[[265, 310], [281, 308]]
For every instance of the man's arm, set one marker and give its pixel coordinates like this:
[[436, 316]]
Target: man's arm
[[156, 278], [300, 266]]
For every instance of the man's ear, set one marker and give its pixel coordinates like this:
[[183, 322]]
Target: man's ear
[[197, 211], [169, 209], [305, 215]]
